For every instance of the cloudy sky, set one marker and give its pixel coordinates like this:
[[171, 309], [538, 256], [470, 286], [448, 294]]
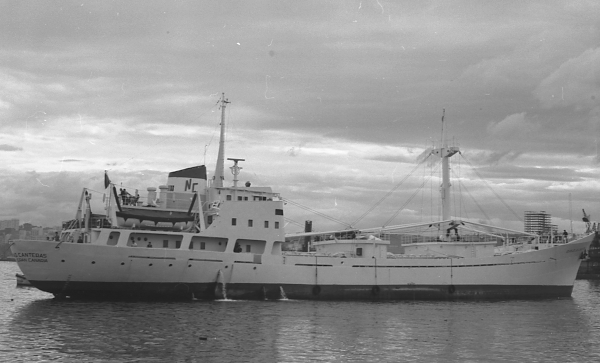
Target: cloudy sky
[[332, 102]]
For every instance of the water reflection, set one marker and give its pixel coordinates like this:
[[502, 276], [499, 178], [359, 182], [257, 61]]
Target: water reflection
[[40, 329]]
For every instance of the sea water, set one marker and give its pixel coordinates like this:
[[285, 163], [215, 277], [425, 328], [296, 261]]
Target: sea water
[[36, 328]]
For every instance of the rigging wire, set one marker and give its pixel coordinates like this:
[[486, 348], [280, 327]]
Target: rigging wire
[[420, 187], [493, 191], [345, 224], [406, 203], [389, 193], [474, 201]]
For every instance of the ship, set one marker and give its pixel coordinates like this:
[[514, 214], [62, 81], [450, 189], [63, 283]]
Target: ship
[[198, 238]]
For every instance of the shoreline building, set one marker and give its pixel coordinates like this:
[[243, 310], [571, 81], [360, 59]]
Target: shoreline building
[[540, 223]]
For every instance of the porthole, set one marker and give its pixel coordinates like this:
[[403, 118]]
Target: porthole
[[150, 265], [93, 262], [122, 263], [62, 260], [189, 265], [170, 264], [145, 239]]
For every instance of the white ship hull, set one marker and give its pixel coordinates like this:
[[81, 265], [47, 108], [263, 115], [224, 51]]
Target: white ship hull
[[84, 270]]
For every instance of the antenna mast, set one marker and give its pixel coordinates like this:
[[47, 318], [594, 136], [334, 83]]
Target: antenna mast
[[219, 175]]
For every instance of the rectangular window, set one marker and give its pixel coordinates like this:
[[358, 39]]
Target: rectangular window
[[171, 188], [240, 198], [245, 198], [248, 248], [228, 197], [165, 243], [266, 224], [178, 244], [278, 212], [233, 221], [276, 225], [202, 245], [250, 222], [359, 251]]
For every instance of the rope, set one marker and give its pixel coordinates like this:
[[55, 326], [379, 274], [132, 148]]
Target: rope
[[317, 212], [389, 192], [408, 201], [493, 191]]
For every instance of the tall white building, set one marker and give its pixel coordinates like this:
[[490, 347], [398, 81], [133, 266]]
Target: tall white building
[[539, 222]]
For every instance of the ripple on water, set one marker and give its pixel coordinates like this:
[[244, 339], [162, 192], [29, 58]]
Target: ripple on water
[[36, 328]]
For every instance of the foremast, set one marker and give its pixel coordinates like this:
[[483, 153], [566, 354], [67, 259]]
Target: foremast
[[445, 153], [219, 175]]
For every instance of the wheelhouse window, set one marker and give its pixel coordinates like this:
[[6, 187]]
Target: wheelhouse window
[[233, 221], [266, 224], [276, 225], [250, 222]]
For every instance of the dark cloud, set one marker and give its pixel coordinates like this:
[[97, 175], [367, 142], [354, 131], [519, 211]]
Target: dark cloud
[[5, 147], [100, 82]]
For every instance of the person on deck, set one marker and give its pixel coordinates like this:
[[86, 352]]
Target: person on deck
[[565, 236]]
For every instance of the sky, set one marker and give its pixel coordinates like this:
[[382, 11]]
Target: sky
[[333, 104]]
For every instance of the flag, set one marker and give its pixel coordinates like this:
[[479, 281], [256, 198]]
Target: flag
[[106, 180]]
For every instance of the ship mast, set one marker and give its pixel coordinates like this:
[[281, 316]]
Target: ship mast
[[445, 152], [219, 175]]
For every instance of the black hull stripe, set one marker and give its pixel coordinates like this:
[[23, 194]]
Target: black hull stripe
[[211, 291]]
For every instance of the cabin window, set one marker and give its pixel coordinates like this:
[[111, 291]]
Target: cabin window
[[240, 198], [276, 225], [171, 188], [278, 212], [165, 243], [208, 243], [359, 251], [209, 220], [178, 244], [228, 197], [113, 238], [250, 222], [252, 245], [245, 198], [266, 224], [233, 221]]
